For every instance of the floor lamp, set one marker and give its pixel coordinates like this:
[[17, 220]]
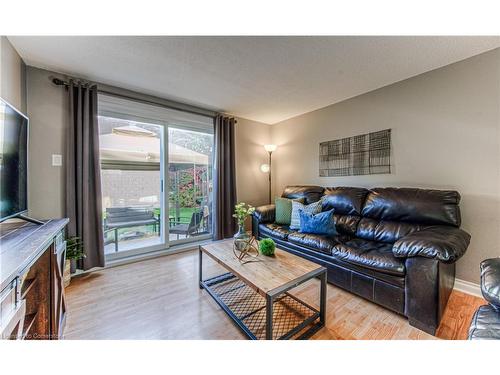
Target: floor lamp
[[267, 168]]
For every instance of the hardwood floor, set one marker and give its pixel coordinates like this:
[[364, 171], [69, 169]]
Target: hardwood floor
[[160, 299]]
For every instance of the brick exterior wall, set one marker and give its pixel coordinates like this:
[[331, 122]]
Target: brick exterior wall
[[130, 188]]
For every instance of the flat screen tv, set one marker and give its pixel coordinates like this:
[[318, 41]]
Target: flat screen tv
[[13, 161]]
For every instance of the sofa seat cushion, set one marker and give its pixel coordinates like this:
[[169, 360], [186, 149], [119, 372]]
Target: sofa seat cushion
[[490, 281], [318, 242], [274, 230], [485, 324], [370, 254]]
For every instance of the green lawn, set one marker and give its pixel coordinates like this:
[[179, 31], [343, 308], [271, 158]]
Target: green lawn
[[185, 213]]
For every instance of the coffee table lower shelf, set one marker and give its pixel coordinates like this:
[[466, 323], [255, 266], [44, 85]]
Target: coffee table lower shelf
[[292, 318]]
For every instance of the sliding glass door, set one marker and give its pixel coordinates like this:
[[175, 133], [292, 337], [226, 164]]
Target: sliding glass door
[[131, 178], [156, 171], [190, 184]]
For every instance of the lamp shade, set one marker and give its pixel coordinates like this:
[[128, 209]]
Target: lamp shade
[[265, 168], [270, 148]]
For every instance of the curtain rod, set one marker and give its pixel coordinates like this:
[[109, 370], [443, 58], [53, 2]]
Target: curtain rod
[[60, 82], [118, 92]]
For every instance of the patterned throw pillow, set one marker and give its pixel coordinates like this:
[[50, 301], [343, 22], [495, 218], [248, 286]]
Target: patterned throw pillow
[[321, 223], [283, 213], [312, 208]]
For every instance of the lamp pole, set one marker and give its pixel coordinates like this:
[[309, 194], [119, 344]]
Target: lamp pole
[[270, 149], [270, 171]]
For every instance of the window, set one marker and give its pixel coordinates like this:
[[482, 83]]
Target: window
[[154, 161]]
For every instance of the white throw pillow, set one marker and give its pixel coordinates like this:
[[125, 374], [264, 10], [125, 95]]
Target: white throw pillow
[[312, 208]]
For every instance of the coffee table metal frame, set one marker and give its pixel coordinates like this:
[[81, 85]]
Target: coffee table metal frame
[[271, 297]]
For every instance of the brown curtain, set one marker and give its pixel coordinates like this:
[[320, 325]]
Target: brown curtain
[[224, 178], [83, 175]]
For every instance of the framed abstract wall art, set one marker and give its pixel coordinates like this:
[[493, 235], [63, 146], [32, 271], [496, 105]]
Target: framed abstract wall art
[[359, 155]]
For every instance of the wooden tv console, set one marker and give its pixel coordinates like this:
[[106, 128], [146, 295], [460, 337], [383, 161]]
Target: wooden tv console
[[32, 258]]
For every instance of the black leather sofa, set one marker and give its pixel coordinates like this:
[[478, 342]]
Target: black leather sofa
[[485, 323], [396, 247]]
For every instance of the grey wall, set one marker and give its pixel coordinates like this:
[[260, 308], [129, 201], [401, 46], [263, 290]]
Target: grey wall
[[446, 126], [251, 183], [12, 75], [47, 110]]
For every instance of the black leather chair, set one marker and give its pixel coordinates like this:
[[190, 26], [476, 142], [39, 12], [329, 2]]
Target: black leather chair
[[485, 323], [396, 246]]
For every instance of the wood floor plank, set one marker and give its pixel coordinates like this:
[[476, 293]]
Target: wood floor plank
[[160, 299]]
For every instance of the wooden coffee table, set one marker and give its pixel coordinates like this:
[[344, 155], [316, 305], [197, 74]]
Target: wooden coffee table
[[256, 294]]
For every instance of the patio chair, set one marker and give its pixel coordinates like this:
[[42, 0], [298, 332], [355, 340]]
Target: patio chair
[[127, 217], [187, 229]]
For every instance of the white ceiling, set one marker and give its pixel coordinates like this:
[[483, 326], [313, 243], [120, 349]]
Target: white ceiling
[[266, 79]]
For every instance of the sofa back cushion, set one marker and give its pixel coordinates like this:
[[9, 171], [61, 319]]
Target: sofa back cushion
[[309, 192], [347, 203], [416, 206], [344, 200]]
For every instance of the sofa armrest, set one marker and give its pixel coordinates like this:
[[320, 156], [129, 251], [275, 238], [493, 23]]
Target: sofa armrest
[[490, 281], [265, 214], [446, 244]]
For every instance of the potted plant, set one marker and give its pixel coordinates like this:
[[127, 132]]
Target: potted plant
[[267, 246], [241, 212], [74, 252]]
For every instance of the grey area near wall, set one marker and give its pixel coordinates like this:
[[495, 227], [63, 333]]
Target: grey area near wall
[[12, 76], [445, 135]]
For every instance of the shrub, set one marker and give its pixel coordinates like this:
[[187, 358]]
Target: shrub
[[267, 246]]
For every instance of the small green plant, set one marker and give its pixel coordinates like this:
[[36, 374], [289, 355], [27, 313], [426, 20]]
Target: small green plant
[[74, 248], [267, 246], [242, 211]]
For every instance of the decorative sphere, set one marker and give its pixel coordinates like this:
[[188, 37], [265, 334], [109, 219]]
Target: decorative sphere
[[267, 246]]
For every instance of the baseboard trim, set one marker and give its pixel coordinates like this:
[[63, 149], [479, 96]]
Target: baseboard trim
[[468, 287], [158, 253]]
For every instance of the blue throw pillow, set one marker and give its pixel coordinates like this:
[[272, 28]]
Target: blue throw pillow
[[321, 223], [312, 208]]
